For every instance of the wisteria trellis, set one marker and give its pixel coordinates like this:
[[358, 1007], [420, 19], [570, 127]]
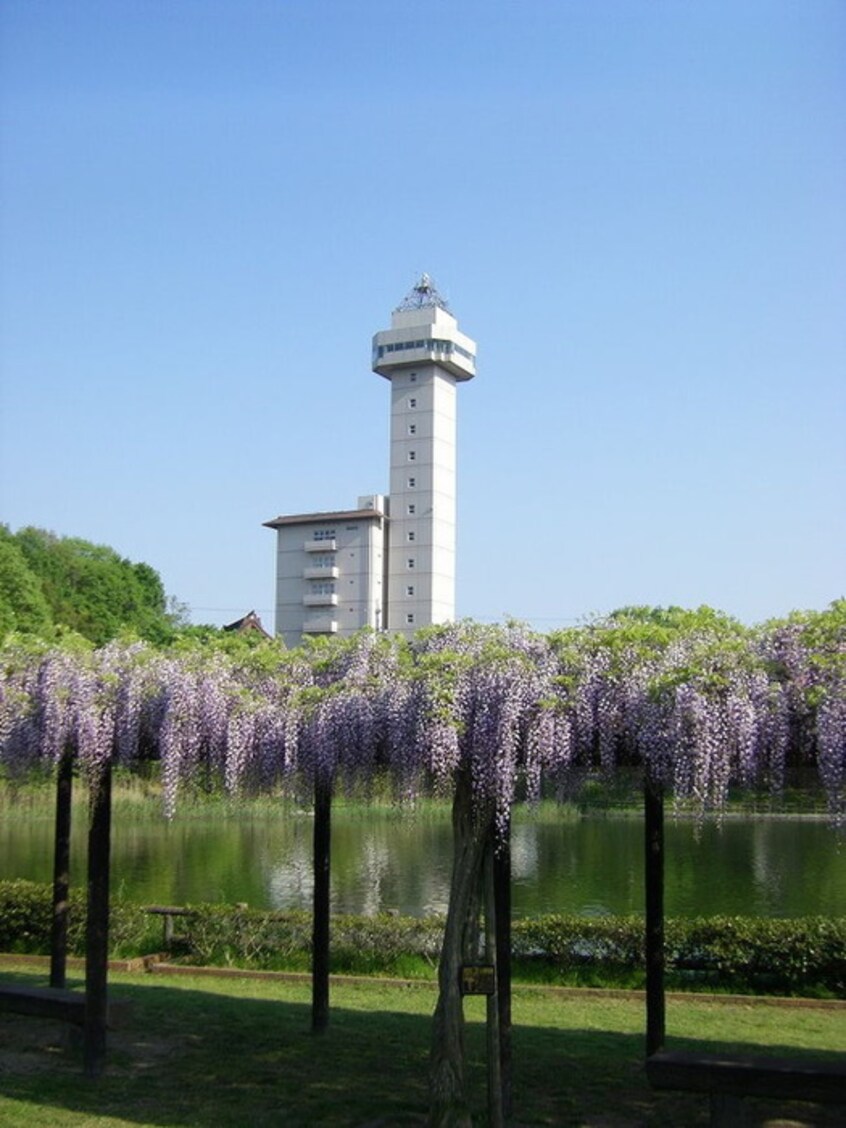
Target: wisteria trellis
[[520, 712], [485, 713]]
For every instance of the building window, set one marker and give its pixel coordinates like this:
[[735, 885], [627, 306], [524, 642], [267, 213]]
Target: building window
[[410, 589], [412, 454], [412, 482], [323, 534], [322, 587], [411, 509], [411, 535], [322, 560], [412, 401], [412, 379], [410, 562], [412, 428], [410, 617]]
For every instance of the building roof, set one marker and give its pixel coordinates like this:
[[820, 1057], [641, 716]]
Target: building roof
[[248, 624], [322, 518]]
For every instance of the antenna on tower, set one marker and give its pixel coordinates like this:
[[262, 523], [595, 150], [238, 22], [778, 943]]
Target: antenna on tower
[[423, 295]]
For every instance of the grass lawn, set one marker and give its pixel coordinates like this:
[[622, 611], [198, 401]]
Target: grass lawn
[[232, 1053]]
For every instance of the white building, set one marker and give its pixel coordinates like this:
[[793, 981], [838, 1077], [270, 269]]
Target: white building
[[390, 563]]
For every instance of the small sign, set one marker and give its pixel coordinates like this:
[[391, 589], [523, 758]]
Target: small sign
[[478, 979]]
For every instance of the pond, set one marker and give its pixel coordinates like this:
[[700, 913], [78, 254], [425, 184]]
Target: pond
[[762, 866]]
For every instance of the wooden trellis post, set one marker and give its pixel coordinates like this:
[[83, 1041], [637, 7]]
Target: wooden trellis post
[[61, 872], [97, 929], [502, 918], [654, 878], [320, 920], [496, 1117]]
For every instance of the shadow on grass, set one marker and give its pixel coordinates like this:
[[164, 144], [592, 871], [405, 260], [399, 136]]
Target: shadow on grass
[[190, 1056]]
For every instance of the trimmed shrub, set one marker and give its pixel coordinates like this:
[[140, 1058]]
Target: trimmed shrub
[[26, 917], [806, 955]]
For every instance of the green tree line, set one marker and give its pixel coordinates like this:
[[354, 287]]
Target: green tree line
[[50, 584]]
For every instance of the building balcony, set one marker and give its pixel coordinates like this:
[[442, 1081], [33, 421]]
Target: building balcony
[[320, 626], [328, 573], [320, 599], [319, 546]]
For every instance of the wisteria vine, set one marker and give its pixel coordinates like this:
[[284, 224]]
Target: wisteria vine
[[522, 713]]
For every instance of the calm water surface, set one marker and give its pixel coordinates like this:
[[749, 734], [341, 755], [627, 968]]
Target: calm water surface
[[593, 865]]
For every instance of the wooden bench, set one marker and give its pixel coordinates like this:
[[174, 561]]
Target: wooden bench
[[55, 1002], [728, 1080], [168, 913]]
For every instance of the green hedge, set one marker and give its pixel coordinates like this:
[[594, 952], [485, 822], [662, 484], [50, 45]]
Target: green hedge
[[801, 956], [804, 955], [26, 915]]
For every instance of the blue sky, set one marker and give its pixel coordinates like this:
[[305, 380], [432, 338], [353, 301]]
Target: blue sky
[[636, 208]]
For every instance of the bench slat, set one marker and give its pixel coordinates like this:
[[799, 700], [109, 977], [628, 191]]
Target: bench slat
[[55, 1002], [44, 1002]]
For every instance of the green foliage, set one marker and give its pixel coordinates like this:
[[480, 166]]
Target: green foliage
[[23, 607], [251, 650], [26, 915], [676, 620], [742, 954], [822, 634], [768, 955], [83, 587], [220, 935]]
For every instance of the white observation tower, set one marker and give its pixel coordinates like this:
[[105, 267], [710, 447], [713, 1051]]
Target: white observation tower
[[388, 564], [424, 355]]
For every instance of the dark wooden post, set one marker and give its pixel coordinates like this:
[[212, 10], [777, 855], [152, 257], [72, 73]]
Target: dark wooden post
[[495, 1109], [502, 916], [61, 871], [654, 878], [97, 928], [320, 921]]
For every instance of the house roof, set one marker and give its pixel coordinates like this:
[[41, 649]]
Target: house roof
[[250, 622]]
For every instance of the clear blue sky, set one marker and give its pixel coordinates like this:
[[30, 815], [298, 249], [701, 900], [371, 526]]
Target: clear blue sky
[[637, 208]]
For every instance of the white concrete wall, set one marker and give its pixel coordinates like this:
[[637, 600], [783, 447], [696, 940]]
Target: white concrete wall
[[357, 551]]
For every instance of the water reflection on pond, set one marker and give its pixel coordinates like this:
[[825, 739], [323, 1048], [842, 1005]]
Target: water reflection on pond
[[763, 866]]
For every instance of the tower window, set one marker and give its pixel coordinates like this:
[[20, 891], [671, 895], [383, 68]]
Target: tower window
[[410, 562], [410, 617], [412, 428], [410, 589], [412, 379], [412, 482], [412, 402], [411, 535], [412, 454], [411, 509]]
